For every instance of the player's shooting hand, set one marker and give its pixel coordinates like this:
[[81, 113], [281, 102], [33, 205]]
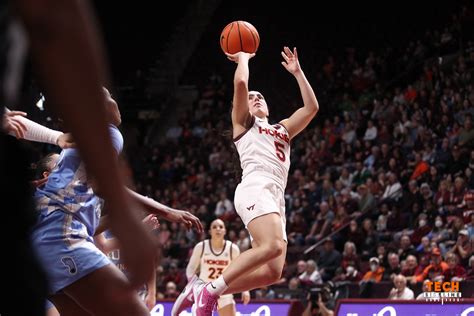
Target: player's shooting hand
[[239, 56]]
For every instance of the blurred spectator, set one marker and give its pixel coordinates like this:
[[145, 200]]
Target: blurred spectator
[[422, 230], [376, 272], [400, 291], [393, 268], [371, 131], [322, 224], [171, 291], [264, 293], [349, 256], [411, 269], [470, 270], [455, 272], [224, 207], [463, 247], [329, 260], [393, 191], [355, 234], [366, 200], [244, 241], [311, 275], [406, 248], [370, 240], [424, 288], [435, 270]]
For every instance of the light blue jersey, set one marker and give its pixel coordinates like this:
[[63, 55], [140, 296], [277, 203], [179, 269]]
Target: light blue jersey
[[69, 213]]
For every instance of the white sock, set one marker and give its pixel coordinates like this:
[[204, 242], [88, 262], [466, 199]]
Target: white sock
[[217, 286]]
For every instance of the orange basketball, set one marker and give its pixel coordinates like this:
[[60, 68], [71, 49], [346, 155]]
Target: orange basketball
[[239, 36]]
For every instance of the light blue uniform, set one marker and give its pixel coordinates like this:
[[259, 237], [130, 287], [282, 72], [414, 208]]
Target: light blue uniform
[[69, 213], [114, 257]]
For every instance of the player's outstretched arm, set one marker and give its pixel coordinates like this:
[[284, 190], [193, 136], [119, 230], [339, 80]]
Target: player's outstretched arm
[[166, 212], [301, 117], [24, 128], [240, 103]]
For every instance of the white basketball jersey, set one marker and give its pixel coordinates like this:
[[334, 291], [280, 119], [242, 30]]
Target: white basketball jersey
[[265, 147], [214, 263]]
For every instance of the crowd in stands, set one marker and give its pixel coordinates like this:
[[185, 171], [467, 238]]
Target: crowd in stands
[[383, 178]]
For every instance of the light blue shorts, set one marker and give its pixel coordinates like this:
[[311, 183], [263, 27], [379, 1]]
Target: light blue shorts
[[65, 249]]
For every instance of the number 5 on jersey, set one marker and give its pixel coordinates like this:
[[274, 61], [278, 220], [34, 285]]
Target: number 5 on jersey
[[279, 151]]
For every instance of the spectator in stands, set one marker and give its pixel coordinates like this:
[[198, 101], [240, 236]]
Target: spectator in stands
[[224, 207], [455, 272], [244, 241], [422, 230], [382, 254], [463, 247], [355, 234], [393, 267], [366, 200], [349, 256], [376, 272], [434, 271], [322, 224], [361, 173], [406, 248], [411, 269], [393, 191], [381, 224], [424, 288], [293, 291], [370, 240], [466, 135], [311, 276], [329, 260], [175, 276], [411, 196], [439, 234], [265, 293], [470, 270], [443, 154], [350, 273], [442, 196], [470, 226], [171, 291], [401, 291], [371, 131], [297, 229]]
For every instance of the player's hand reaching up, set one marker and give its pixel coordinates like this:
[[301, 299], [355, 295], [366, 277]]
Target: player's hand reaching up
[[185, 217], [290, 62], [237, 57]]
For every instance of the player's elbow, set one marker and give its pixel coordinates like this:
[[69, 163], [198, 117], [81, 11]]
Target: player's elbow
[[313, 109]]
